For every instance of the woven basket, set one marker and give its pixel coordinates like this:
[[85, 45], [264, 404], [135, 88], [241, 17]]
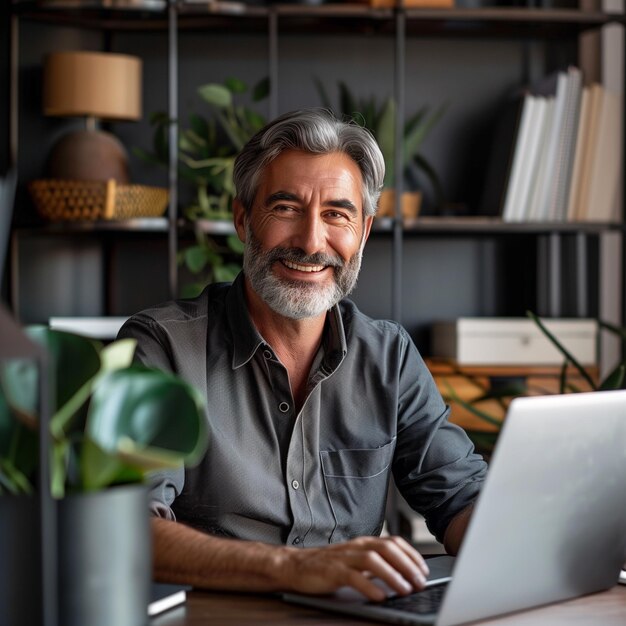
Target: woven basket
[[74, 200]]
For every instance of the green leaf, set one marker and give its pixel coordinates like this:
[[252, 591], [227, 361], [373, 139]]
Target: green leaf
[[74, 359], [261, 90], [196, 258], [235, 85], [19, 379], [217, 95], [58, 469], [199, 126], [323, 94], [118, 354], [564, 351], [235, 244], [490, 419], [139, 414], [98, 468], [433, 177], [226, 273], [615, 379], [347, 103], [385, 135]]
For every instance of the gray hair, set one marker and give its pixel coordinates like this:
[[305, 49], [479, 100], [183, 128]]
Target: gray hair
[[316, 131]]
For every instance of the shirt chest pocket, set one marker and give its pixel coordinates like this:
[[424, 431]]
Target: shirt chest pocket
[[356, 484]]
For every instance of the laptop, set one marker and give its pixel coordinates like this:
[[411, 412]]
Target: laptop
[[549, 525]]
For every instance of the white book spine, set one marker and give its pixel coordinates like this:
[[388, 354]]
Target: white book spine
[[582, 140], [519, 158]]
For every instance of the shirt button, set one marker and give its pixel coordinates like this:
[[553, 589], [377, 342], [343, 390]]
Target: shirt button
[[283, 407], [297, 540], [295, 484], [267, 354]]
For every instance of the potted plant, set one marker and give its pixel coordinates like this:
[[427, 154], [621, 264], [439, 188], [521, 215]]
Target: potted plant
[[485, 440], [112, 422], [381, 120], [206, 156]]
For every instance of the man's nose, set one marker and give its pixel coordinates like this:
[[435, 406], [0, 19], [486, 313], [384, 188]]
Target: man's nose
[[311, 235]]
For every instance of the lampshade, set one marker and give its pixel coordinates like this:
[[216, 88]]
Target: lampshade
[[91, 85], [96, 84]]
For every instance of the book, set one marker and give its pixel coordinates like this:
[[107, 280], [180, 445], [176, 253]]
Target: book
[[165, 596], [542, 112], [520, 160], [602, 201], [565, 149], [531, 208], [540, 208], [582, 140], [596, 96]]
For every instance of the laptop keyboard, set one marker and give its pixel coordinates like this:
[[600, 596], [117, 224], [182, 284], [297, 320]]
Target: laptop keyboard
[[422, 602]]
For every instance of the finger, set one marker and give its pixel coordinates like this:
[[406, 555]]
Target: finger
[[402, 557], [412, 553], [372, 563]]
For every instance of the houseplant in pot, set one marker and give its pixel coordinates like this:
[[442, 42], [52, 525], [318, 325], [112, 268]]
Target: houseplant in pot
[[380, 120], [498, 398], [207, 148], [112, 423]]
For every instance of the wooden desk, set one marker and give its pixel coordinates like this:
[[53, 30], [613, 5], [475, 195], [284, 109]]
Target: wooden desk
[[230, 609]]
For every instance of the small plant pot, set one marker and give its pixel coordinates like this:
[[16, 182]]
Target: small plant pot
[[410, 204], [104, 559]]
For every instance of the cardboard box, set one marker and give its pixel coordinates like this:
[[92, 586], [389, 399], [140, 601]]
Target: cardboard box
[[514, 341]]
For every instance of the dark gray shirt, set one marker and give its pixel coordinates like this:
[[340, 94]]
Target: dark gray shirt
[[315, 476]]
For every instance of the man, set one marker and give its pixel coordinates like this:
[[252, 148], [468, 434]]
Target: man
[[310, 403]]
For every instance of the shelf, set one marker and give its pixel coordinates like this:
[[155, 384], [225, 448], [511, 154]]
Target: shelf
[[326, 18], [141, 225], [451, 226], [456, 226]]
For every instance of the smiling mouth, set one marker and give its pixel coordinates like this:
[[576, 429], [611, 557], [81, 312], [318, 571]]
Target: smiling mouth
[[303, 268]]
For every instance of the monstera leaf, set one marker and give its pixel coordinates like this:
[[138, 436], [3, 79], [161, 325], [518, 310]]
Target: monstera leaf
[[142, 418], [112, 421]]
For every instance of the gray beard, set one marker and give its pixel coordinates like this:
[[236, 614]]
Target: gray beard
[[297, 299]]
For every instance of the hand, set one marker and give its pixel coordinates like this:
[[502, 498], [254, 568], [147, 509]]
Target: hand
[[354, 563]]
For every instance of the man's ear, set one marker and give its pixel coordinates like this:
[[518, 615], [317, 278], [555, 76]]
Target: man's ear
[[367, 227], [239, 219]]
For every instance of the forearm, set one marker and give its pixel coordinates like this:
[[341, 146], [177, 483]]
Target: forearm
[[456, 530], [185, 555]]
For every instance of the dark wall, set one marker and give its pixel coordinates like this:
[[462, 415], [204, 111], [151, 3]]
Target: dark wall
[[443, 277]]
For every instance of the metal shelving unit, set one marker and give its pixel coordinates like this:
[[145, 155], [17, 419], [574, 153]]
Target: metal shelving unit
[[175, 16]]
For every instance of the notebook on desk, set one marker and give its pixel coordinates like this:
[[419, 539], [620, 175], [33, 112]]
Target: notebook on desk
[[549, 524]]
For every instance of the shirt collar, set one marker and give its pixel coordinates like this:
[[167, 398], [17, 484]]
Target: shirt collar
[[246, 338]]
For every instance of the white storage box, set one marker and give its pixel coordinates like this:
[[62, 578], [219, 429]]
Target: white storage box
[[514, 341]]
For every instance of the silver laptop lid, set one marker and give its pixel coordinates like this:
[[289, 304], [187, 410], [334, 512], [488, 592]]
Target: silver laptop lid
[[550, 523]]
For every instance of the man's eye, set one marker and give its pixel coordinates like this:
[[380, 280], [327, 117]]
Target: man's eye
[[336, 215], [283, 208]]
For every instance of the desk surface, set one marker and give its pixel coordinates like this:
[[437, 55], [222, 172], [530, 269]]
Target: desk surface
[[230, 609]]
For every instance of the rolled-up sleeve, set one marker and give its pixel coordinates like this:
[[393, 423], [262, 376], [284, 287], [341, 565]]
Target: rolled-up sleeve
[[435, 466], [152, 350]]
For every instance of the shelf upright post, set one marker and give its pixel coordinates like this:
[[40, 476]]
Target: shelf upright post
[[399, 87], [391, 509], [14, 52], [172, 233], [272, 17]]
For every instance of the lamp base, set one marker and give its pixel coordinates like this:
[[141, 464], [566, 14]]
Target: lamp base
[[89, 155]]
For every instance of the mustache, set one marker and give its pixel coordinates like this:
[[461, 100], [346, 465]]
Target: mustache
[[296, 255]]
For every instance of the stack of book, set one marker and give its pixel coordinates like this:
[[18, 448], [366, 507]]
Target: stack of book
[[565, 160]]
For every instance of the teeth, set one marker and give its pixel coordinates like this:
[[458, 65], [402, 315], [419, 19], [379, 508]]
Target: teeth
[[304, 268]]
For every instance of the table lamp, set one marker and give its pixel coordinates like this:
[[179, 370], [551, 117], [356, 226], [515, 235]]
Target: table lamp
[[96, 86]]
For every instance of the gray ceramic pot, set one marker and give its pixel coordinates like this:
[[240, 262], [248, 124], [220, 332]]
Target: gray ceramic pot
[[104, 559]]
